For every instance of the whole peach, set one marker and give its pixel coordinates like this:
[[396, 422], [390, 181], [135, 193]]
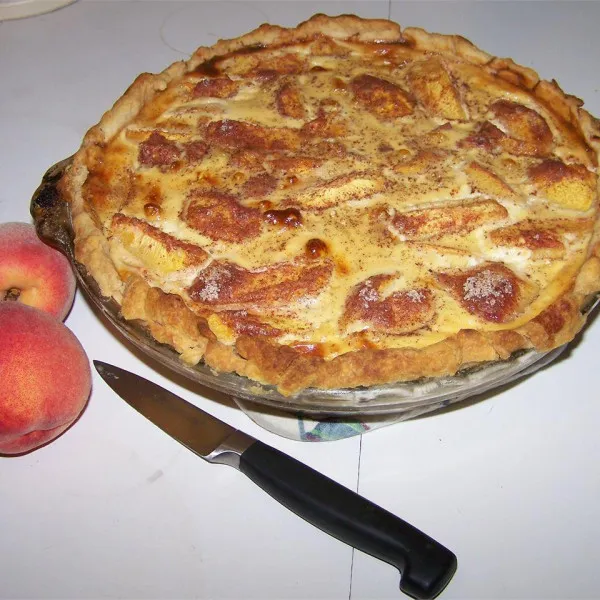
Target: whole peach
[[32, 272], [45, 378]]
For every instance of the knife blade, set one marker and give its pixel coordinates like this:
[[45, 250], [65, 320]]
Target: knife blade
[[425, 566]]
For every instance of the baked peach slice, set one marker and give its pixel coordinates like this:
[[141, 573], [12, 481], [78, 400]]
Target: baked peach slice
[[33, 273]]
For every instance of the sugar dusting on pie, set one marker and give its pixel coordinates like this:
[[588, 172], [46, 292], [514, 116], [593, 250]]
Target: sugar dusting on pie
[[342, 204]]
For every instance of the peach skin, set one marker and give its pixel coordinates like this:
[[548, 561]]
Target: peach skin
[[45, 378], [33, 273]]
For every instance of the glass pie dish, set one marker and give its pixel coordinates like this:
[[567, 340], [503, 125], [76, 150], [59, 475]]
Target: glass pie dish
[[405, 400]]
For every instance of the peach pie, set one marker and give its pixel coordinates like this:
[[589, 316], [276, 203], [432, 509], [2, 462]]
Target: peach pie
[[342, 204]]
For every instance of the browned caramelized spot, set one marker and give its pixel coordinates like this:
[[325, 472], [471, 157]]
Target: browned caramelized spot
[[490, 292], [294, 165], [524, 124], [96, 189], [362, 340], [210, 179], [327, 149], [288, 64], [149, 193], [555, 171], [288, 217], [326, 125], [220, 216], [398, 312], [435, 222], [247, 159], [316, 248], [237, 61], [246, 324], [265, 75], [341, 266], [528, 133], [239, 135], [226, 284], [259, 186], [318, 69], [108, 185], [152, 211], [157, 151], [384, 99], [209, 67], [485, 136], [218, 87], [339, 85], [543, 242], [289, 101], [195, 151], [521, 147]]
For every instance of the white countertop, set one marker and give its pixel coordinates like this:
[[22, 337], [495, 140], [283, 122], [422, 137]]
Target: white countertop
[[116, 509]]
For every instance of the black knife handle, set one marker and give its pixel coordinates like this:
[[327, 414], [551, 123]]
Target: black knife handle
[[425, 566]]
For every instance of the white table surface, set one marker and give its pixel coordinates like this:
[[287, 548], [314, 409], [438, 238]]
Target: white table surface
[[116, 509]]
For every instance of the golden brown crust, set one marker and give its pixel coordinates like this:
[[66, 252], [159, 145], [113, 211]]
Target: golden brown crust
[[167, 318], [188, 327]]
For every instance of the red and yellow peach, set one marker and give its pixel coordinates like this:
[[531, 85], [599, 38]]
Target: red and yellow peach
[[45, 378], [33, 273]]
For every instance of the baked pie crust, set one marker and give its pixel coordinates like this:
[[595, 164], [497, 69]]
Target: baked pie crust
[[342, 204]]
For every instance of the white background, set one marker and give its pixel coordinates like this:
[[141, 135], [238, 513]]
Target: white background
[[116, 509]]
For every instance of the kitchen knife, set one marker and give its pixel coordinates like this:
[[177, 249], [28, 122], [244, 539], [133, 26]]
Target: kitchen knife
[[425, 566]]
